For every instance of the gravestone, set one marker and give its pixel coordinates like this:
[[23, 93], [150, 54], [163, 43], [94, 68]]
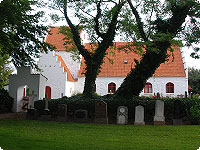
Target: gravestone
[[177, 114], [101, 112], [159, 118], [32, 98], [46, 116], [122, 115], [62, 112], [32, 112], [81, 116], [139, 115]]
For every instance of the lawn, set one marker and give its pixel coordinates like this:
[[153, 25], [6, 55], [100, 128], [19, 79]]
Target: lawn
[[37, 135]]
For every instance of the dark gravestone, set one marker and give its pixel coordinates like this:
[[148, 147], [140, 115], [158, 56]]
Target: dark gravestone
[[81, 116], [177, 114], [101, 112], [31, 114], [62, 112]]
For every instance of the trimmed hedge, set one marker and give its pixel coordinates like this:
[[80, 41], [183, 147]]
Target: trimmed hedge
[[6, 102], [79, 102]]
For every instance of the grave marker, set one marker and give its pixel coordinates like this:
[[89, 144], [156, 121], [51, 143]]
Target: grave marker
[[101, 112], [159, 118], [122, 115], [62, 112], [139, 115]]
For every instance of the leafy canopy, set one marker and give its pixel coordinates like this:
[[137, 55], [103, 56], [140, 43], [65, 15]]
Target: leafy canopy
[[21, 35]]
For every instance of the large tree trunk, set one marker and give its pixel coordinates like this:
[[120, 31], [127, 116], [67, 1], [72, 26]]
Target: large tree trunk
[[135, 81]]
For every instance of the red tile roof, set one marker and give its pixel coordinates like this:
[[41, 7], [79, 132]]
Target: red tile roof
[[69, 75], [56, 39], [172, 68]]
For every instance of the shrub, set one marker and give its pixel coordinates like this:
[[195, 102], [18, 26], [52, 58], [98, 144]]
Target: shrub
[[6, 102], [194, 113]]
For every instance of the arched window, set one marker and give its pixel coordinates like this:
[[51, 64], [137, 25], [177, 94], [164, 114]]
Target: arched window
[[111, 88], [48, 92], [169, 87], [148, 88]]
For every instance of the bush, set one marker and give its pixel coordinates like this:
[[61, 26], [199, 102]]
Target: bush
[[6, 102], [194, 113]]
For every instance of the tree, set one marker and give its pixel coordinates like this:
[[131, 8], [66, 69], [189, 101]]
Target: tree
[[173, 20], [194, 79], [153, 25], [100, 18], [21, 35], [5, 70]]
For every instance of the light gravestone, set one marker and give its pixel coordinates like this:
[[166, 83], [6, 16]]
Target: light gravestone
[[32, 98], [31, 113], [62, 112], [46, 116], [122, 115], [159, 118], [139, 115], [101, 112]]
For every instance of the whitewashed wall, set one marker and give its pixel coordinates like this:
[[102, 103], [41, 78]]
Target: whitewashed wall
[[17, 82], [57, 78], [158, 85]]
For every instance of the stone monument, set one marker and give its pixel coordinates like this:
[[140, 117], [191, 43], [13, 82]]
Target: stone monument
[[122, 115], [159, 118], [81, 116], [177, 117], [101, 112], [139, 115], [62, 112], [32, 98]]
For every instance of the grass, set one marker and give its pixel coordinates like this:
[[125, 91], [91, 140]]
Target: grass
[[36, 135]]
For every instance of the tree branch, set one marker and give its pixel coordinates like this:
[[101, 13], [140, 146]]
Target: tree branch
[[138, 20], [76, 35], [96, 20]]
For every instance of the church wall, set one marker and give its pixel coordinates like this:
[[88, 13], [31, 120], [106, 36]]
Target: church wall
[[158, 85], [57, 78]]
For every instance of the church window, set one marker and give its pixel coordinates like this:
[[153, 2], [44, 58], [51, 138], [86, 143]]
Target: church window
[[148, 88], [111, 88], [169, 87]]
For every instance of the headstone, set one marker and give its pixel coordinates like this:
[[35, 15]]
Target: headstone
[[62, 112], [46, 103], [122, 115], [32, 98], [139, 115], [177, 120], [81, 116], [159, 118], [101, 112]]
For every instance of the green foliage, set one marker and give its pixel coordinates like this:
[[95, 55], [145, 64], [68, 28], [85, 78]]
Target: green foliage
[[21, 35], [194, 113], [6, 101], [194, 79], [5, 70]]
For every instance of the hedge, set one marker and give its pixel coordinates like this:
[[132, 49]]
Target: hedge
[[6, 101], [79, 102]]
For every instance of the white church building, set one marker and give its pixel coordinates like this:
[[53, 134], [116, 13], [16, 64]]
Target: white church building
[[65, 78]]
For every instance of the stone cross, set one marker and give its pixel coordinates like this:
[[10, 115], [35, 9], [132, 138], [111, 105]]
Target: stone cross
[[139, 115], [159, 118], [32, 99]]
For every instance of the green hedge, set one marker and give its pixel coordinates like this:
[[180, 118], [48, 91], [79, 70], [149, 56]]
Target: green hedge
[[79, 102], [6, 102]]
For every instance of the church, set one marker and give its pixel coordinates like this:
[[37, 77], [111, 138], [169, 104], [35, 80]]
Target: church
[[65, 75]]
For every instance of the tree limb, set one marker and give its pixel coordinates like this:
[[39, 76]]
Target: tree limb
[[138, 20], [76, 35], [96, 20]]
